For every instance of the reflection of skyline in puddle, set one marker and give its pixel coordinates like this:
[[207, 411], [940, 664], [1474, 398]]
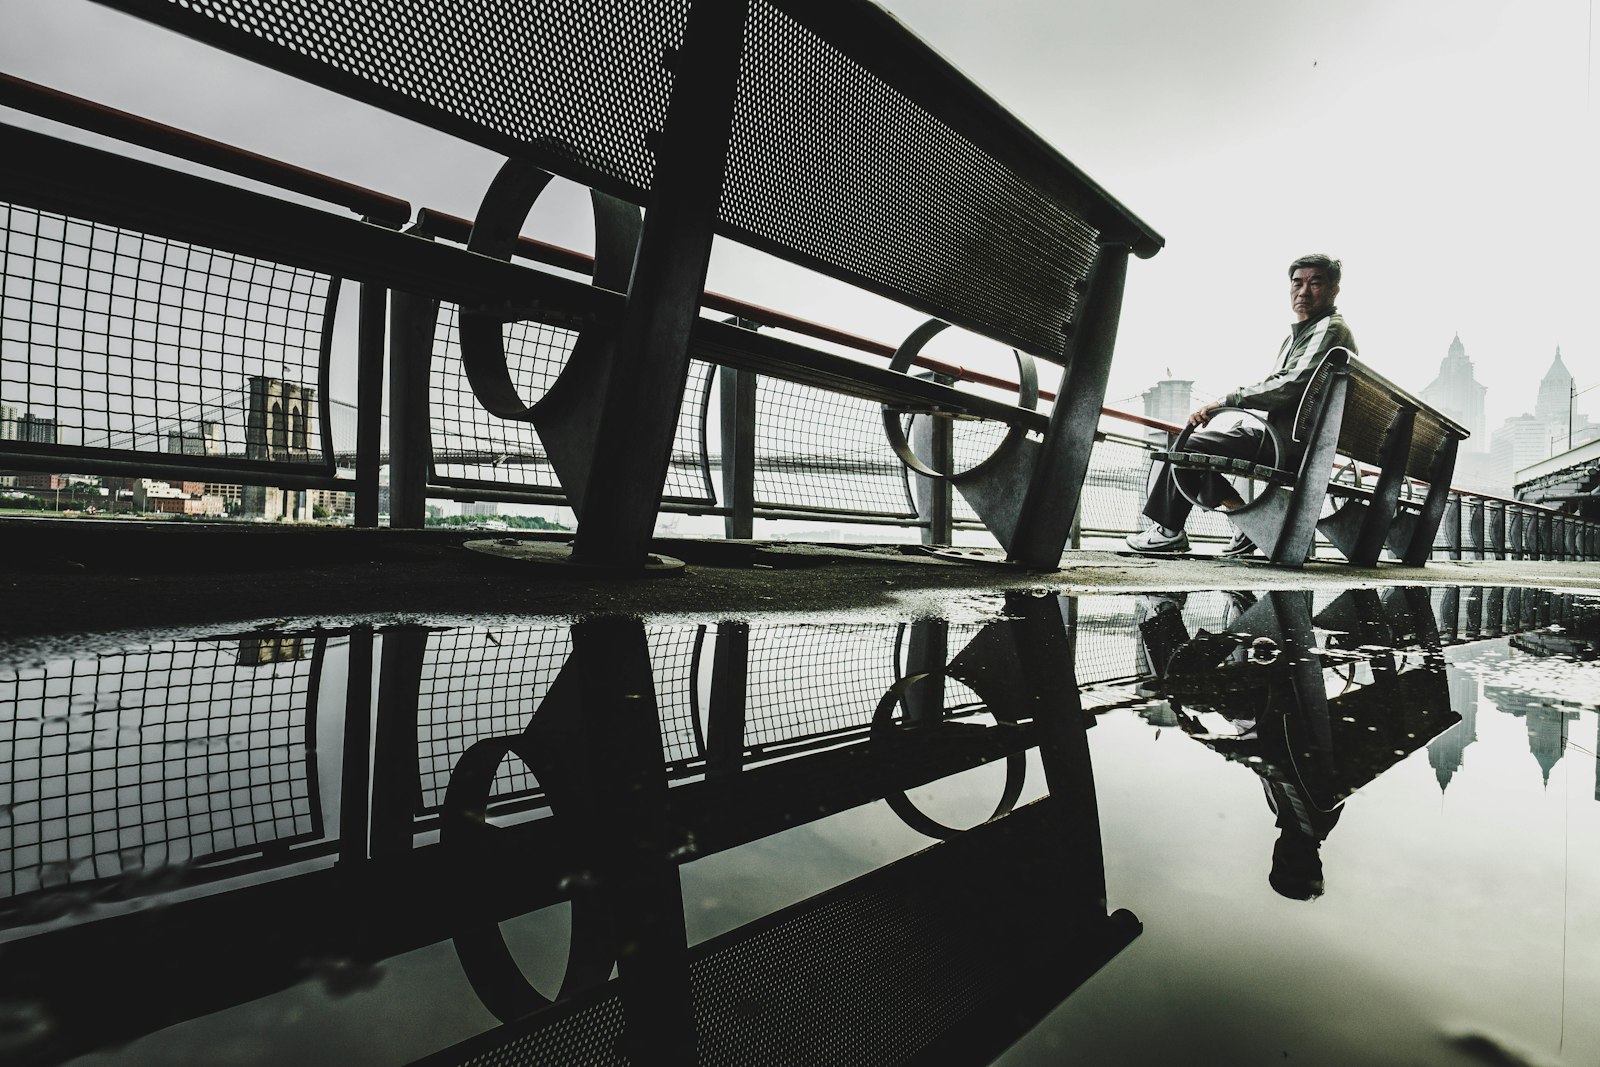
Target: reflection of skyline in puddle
[[234, 760]]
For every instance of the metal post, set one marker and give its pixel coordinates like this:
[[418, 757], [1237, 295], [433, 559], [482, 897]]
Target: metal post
[[1477, 524], [927, 652], [355, 773], [1452, 526], [934, 438], [738, 389], [1497, 529], [725, 719], [637, 420], [411, 326], [396, 779], [372, 314]]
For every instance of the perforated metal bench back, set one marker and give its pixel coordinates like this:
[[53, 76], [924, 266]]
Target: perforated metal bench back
[[964, 215]]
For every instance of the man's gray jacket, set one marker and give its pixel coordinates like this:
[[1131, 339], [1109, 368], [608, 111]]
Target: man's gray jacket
[[1302, 350]]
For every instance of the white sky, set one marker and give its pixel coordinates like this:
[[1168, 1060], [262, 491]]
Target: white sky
[[1446, 150]]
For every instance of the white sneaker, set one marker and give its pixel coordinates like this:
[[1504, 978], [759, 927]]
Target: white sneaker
[[1158, 539], [1240, 546]]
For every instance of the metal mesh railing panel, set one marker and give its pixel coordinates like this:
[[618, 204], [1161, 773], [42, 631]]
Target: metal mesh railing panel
[[472, 448], [114, 341], [480, 683], [825, 451], [182, 752], [921, 214], [1117, 484], [971, 442]]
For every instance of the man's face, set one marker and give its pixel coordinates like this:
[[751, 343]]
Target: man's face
[[1310, 293]]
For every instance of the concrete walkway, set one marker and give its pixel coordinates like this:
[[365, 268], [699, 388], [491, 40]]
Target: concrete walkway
[[64, 578]]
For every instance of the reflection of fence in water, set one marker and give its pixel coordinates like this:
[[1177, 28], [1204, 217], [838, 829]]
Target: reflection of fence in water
[[183, 752], [802, 682], [808, 682], [483, 682]]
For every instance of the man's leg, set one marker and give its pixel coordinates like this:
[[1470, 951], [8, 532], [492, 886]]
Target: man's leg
[[1171, 508]]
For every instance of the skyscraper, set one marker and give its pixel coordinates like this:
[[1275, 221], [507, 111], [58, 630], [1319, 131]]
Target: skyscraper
[[1457, 393], [1554, 408]]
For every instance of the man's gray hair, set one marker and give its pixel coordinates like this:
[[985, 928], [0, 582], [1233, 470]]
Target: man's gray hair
[[1316, 260]]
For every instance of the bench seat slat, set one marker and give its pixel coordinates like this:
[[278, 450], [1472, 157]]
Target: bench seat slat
[[1227, 465]]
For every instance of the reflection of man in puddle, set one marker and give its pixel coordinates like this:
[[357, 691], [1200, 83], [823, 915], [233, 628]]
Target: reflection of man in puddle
[[1247, 726], [1257, 739]]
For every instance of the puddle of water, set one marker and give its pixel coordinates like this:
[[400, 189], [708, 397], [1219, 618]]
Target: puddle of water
[[1208, 827]]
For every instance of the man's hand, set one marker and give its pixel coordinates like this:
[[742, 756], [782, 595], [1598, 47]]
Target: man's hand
[[1203, 413]]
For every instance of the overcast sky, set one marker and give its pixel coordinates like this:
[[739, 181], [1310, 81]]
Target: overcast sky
[[1444, 149]]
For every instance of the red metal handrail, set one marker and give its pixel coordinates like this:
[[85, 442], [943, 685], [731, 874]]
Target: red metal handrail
[[53, 104]]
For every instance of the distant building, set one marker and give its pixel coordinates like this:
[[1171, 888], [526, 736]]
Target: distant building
[[36, 429], [1519, 442], [1169, 400], [1569, 428], [164, 498], [1547, 725], [334, 503], [8, 423], [1456, 392], [201, 439]]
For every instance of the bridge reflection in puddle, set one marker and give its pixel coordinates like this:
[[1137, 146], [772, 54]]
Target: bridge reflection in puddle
[[749, 841]]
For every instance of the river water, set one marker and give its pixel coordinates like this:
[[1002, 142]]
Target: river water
[[1219, 827]]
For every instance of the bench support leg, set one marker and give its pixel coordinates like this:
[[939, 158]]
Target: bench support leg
[[1439, 499], [1054, 486], [633, 444], [1291, 542], [1377, 515]]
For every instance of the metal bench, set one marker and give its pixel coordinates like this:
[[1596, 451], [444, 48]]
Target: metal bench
[[713, 115], [1348, 410]]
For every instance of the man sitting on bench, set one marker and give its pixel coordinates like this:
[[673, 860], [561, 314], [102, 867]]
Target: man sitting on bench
[[1313, 283]]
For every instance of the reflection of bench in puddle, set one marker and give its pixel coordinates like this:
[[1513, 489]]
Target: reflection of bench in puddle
[[611, 843], [947, 956]]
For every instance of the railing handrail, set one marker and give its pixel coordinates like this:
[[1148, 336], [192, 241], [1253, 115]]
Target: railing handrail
[[124, 126]]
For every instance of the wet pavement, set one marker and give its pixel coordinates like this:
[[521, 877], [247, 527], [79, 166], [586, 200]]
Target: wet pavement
[[1252, 824]]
